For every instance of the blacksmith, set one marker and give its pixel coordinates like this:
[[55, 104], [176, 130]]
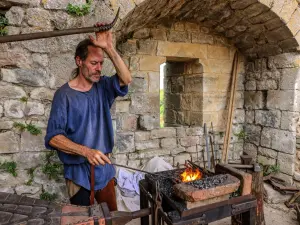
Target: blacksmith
[[80, 126]]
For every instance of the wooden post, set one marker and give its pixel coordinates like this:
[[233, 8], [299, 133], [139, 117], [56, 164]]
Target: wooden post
[[258, 192]]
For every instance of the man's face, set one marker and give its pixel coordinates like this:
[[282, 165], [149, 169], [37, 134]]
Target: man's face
[[92, 66]]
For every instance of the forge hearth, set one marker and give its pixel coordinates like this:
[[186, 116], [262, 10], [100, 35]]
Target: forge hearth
[[207, 188], [182, 196]]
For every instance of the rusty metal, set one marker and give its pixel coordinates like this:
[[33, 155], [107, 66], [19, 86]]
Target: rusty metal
[[48, 34]]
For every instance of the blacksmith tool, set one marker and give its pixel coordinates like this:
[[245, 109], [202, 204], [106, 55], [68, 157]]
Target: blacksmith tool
[[174, 179], [55, 33], [206, 146]]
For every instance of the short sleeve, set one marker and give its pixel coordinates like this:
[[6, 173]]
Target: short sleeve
[[58, 118], [113, 88]]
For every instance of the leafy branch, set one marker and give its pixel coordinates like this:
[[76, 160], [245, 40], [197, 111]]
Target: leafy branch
[[82, 10], [9, 167], [3, 24], [52, 169], [242, 135], [30, 173]]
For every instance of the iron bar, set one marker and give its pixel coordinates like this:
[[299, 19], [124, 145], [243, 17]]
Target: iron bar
[[153, 174], [48, 34]]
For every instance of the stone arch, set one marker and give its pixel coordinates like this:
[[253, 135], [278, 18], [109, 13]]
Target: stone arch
[[267, 33]]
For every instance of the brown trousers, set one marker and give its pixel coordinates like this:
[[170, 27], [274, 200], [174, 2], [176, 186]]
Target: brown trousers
[[107, 194]]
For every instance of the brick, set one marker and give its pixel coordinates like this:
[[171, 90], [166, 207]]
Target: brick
[[168, 143], [151, 144], [142, 136], [149, 122], [283, 100], [270, 118], [189, 141]]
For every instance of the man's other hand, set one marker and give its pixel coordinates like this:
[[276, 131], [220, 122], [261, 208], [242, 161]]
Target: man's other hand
[[103, 39], [95, 157]]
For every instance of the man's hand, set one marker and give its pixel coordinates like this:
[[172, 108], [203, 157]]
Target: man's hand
[[103, 38], [96, 157]]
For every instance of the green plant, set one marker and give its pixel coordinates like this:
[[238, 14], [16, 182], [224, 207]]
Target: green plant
[[242, 135], [79, 10], [30, 173], [3, 24], [53, 170], [47, 196], [31, 128], [9, 167], [268, 169]]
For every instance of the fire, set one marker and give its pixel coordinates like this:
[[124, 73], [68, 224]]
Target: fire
[[189, 175]]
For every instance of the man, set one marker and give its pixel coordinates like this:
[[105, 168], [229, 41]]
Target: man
[[80, 125]]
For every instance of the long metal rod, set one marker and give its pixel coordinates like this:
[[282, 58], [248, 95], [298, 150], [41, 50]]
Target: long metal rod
[[48, 34], [143, 171]]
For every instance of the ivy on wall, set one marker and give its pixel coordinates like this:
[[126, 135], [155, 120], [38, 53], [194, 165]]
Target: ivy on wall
[[77, 10], [3, 24]]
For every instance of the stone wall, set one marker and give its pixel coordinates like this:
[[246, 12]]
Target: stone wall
[[272, 111]]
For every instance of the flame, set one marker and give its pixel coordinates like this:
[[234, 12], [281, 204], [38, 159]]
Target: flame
[[189, 175]]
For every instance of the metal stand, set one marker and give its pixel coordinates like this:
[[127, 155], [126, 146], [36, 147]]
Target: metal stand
[[245, 206]]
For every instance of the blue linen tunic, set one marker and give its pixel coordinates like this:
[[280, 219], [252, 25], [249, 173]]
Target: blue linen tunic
[[84, 118]]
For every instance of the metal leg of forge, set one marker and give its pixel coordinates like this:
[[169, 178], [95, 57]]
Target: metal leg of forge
[[245, 206]]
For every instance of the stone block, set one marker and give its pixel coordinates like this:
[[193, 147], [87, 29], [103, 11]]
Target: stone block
[[285, 60], [239, 99], [181, 158], [151, 63], [9, 142], [142, 33], [146, 47], [191, 26], [250, 149], [61, 4], [177, 150], [178, 36], [42, 94], [141, 136], [180, 132], [189, 141], [150, 144], [270, 153], [7, 180], [154, 82], [286, 163], [144, 103], [250, 85], [34, 108], [182, 50], [265, 160], [120, 158], [134, 64], [253, 134], [5, 124], [283, 141], [61, 71], [193, 83], [168, 143], [201, 38], [289, 120], [187, 102], [249, 116], [139, 84], [15, 15], [149, 122], [38, 18], [218, 66], [158, 34], [128, 48], [27, 190], [172, 101], [11, 91], [14, 108], [283, 100], [166, 132], [253, 100], [293, 23], [25, 76], [194, 131], [134, 163], [239, 116], [32, 143], [29, 159], [269, 118], [290, 79], [146, 154], [126, 122], [273, 196], [125, 142], [196, 118], [287, 10], [218, 52], [266, 85]]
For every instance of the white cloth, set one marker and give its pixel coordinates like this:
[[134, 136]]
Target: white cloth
[[128, 183]]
